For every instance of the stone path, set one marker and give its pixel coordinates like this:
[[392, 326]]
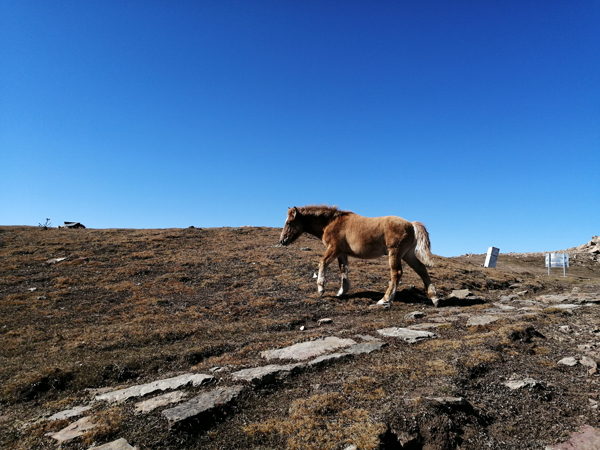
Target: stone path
[[201, 411]]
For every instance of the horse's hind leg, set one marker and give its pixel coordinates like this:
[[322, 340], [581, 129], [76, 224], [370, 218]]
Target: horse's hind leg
[[395, 275], [343, 262], [412, 260]]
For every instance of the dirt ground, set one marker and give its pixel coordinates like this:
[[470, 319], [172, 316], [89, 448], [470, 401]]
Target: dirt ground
[[128, 306]]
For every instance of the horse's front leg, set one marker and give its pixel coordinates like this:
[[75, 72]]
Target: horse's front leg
[[329, 256], [343, 262]]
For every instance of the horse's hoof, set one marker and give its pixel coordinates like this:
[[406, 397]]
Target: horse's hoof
[[383, 305], [435, 301]]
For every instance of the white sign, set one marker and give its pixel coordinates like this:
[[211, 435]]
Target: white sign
[[492, 257], [557, 260]]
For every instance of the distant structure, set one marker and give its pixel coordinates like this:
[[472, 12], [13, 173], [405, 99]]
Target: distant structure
[[72, 225], [492, 257], [557, 260]]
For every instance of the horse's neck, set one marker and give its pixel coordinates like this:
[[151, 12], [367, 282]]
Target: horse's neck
[[315, 225]]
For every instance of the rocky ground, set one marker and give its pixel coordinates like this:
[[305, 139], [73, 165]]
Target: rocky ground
[[216, 339]]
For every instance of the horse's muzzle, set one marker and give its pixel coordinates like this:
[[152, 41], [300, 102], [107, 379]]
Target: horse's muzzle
[[284, 241]]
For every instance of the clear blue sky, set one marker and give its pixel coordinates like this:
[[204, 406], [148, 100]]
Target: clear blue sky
[[479, 118]]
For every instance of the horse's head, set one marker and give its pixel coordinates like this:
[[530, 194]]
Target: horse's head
[[292, 228]]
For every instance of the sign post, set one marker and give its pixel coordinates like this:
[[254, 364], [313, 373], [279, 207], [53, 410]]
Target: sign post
[[492, 257], [557, 260]]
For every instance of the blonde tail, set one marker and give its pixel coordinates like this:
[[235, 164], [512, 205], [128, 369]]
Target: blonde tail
[[423, 249]]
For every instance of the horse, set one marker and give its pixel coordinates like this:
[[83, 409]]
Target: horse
[[345, 234]]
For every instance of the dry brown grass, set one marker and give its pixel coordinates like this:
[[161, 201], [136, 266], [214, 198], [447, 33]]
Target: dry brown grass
[[130, 306]]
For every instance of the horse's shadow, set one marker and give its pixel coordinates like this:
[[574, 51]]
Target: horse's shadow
[[413, 295], [403, 296]]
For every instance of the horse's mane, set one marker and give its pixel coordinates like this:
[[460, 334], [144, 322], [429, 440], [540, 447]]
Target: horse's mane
[[322, 211]]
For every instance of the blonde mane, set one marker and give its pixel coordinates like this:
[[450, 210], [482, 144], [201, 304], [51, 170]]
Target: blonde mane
[[322, 211]]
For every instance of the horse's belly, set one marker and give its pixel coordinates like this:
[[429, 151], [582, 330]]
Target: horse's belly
[[367, 252]]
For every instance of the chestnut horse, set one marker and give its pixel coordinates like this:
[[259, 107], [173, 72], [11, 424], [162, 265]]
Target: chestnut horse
[[345, 233]]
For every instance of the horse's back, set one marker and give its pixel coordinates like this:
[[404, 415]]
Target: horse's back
[[370, 237]]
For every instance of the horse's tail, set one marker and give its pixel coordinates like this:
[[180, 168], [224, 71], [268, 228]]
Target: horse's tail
[[423, 244]]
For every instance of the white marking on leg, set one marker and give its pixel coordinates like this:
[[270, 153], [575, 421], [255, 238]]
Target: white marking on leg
[[321, 280]]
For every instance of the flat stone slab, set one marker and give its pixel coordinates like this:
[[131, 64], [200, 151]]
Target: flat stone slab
[[553, 298], [481, 320], [586, 439], [73, 431], [308, 350], [426, 326], [162, 400], [202, 409], [566, 306], [68, 413], [195, 379], [365, 347], [406, 334], [329, 359], [259, 376], [119, 444]]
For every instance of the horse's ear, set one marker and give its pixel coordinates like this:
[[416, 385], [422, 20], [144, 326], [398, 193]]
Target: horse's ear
[[292, 212]]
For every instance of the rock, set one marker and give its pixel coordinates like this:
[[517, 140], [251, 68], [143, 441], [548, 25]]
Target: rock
[[204, 409], [449, 401], [195, 379], [462, 297], [55, 260], [553, 298], [324, 321], [259, 376], [461, 294], [585, 361], [586, 439], [502, 307], [162, 400], [570, 361], [414, 315], [73, 431], [588, 362], [329, 359], [119, 444], [368, 338], [365, 347], [410, 336], [426, 326], [68, 413], [566, 306], [481, 320], [521, 384], [307, 350]]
